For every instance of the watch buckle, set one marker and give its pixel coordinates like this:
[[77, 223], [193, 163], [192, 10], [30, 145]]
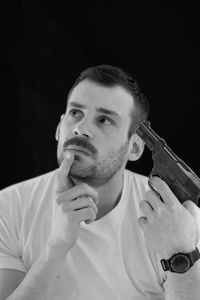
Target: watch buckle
[[164, 264]]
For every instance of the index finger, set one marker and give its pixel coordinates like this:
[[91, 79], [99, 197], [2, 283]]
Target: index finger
[[62, 180], [165, 192]]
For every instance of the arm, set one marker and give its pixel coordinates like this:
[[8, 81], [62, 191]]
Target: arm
[[40, 281], [170, 228], [74, 204], [185, 286], [9, 280]]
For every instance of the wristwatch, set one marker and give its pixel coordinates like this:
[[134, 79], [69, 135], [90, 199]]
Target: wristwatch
[[180, 262]]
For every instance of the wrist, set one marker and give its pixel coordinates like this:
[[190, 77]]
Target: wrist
[[181, 262], [55, 251]]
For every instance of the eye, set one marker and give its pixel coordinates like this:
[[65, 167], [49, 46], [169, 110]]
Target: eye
[[105, 121], [75, 113]]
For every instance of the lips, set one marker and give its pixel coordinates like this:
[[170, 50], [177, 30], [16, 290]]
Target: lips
[[78, 149]]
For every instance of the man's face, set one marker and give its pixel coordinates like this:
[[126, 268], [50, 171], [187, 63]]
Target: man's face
[[95, 129]]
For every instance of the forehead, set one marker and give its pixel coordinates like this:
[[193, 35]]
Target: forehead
[[94, 96]]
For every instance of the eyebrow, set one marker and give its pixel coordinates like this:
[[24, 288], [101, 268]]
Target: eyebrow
[[100, 109]]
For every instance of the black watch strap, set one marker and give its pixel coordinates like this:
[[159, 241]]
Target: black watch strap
[[172, 264], [195, 255]]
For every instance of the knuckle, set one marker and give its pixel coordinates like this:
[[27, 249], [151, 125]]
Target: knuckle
[[84, 186], [84, 201], [188, 203], [91, 214], [65, 207], [90, 201], [58, 199]]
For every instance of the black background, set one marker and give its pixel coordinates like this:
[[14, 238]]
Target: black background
[[47, 44]]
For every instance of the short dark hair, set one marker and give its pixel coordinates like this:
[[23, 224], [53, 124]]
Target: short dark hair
[[110, 76]]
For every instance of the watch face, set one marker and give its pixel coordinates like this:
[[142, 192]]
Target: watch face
[[180, 263]]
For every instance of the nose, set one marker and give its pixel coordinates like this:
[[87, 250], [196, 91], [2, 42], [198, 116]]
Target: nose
[[80, 129]]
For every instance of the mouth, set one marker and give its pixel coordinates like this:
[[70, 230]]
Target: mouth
[[79, 150]]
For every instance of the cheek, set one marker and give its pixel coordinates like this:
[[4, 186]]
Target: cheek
[[114, 142], [111, 148], [106, 144], [64, 133]]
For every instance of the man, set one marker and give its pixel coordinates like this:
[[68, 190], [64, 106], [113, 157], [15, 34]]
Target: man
[[92, 229]]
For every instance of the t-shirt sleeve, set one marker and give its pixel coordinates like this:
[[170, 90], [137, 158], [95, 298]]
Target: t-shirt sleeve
[[10, 221]]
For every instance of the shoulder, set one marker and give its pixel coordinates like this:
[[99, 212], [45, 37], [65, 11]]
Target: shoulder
[[139, 181], [26, 188], [135, 187]]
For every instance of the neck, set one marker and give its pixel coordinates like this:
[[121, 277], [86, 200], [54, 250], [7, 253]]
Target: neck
[[109, 195]]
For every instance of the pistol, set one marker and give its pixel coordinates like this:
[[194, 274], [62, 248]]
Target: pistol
[[182, 181]]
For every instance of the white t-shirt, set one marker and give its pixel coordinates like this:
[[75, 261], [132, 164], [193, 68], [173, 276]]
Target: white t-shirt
[[110, 260]]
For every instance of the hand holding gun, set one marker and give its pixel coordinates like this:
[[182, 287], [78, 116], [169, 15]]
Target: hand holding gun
[[183, 182]]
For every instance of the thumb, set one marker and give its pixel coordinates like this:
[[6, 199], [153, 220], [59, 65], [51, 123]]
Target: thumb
[[62, 173]]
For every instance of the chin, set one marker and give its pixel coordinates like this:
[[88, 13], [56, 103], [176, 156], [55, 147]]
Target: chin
[[80, 168]]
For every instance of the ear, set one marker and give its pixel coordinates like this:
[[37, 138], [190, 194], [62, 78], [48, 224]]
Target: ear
[[57, 135], [136, 147]]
